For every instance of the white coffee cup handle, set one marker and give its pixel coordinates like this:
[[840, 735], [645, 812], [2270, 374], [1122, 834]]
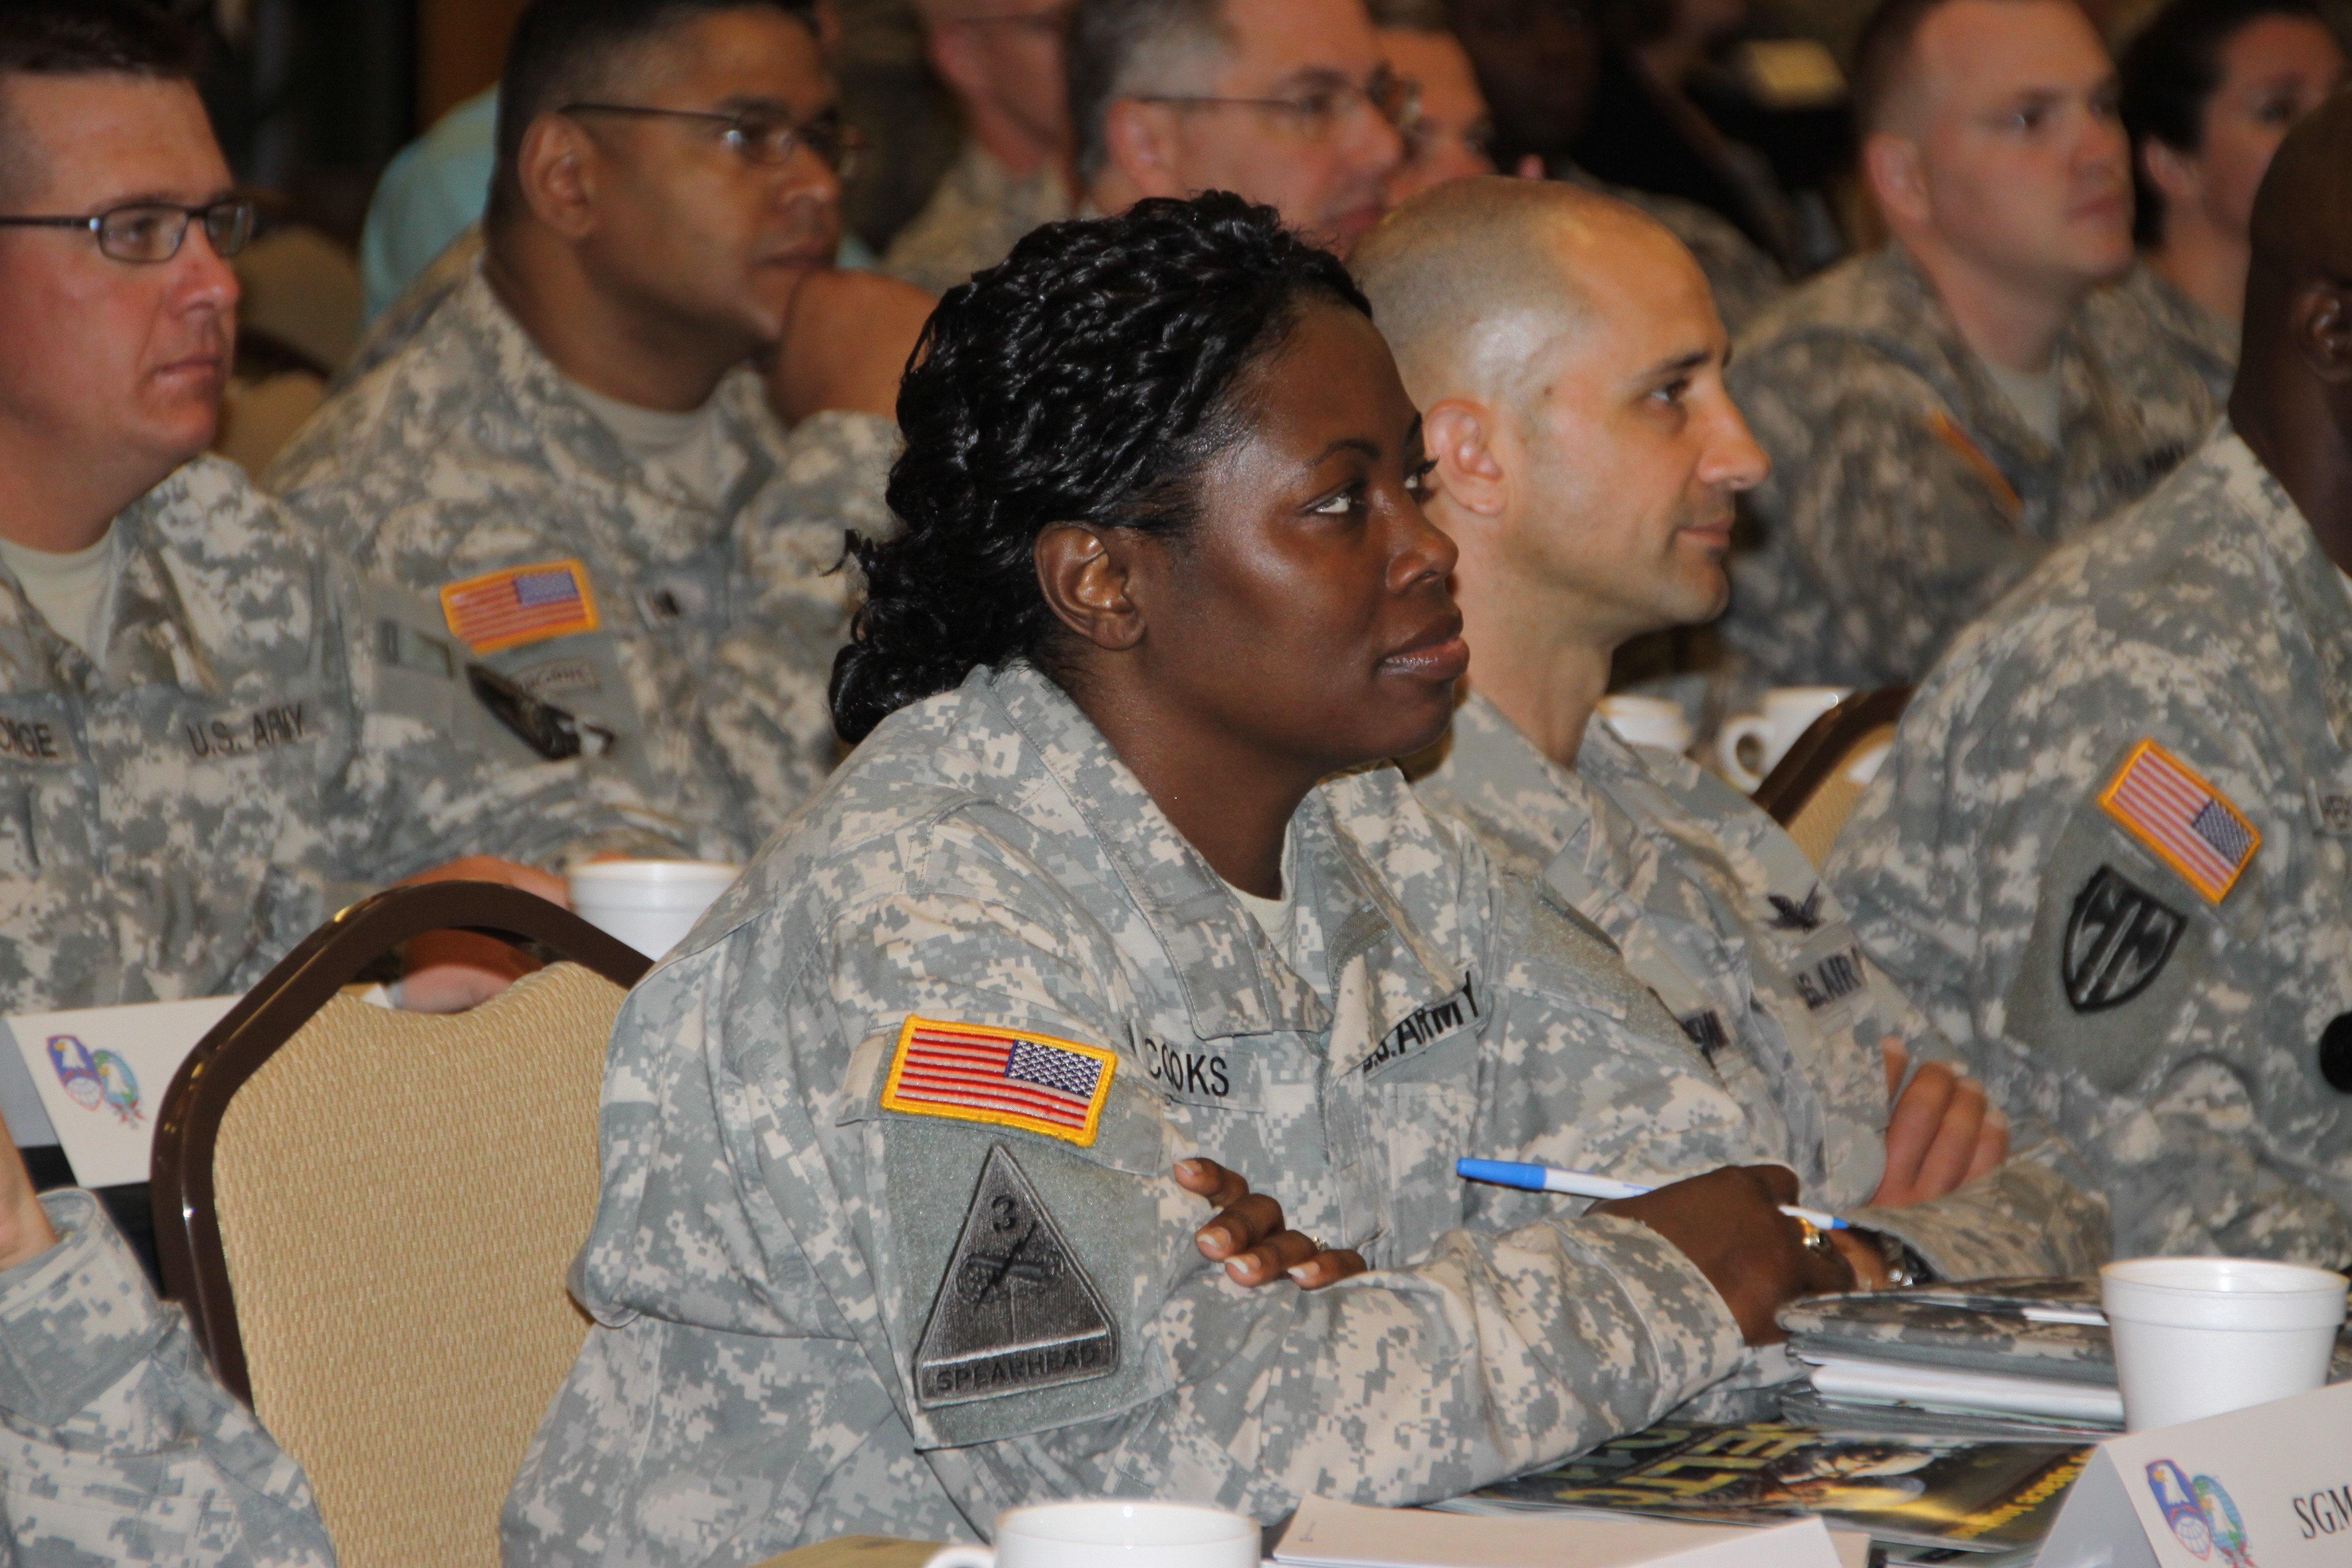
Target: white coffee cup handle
[[1746, 727], [962, 1557]]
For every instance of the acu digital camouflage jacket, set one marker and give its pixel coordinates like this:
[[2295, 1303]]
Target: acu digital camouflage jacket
[[1718, 912], [1907, 493], [241, 761], [2108, 856], [680, 650], [889, 1239]]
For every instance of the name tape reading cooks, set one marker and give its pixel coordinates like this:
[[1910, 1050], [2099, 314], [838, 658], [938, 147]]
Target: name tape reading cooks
[[1185, 1072], [974, 1072]]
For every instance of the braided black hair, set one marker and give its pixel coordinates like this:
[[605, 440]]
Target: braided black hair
[[1088, 377]]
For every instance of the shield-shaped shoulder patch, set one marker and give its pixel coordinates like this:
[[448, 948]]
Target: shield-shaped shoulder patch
[[2118, 939]]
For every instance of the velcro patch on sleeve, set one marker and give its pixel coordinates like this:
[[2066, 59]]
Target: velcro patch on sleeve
[[2183, 821], [519, 605], [973, 1072], [1947, 430]]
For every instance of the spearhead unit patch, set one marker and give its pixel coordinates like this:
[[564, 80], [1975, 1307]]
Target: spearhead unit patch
[[1015, 1311], [2185, 822], [973, 1072], [2119, 937]]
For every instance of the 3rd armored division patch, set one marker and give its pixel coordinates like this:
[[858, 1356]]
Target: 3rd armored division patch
[[1015, 1311]]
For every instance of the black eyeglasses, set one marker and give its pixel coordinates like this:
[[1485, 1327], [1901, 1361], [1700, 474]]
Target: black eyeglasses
[[148, 232], [757, 135], [1318, 111]]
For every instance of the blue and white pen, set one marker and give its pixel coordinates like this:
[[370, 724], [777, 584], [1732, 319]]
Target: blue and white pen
[[1546, 1179]]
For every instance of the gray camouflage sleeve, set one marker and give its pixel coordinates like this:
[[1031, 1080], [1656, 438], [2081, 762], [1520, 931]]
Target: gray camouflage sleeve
[[1904, 528], [1526, 1333], [117, 1445], [766, 703], [2037, 1213], [2158, 1097], [1535, 1334], [413, 792]]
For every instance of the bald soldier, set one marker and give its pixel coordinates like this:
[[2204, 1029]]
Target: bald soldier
[[1943, 411], [2109, 852], [1567, 360]]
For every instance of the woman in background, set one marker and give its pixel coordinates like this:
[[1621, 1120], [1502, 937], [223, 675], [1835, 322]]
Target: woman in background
[[2209, 90]]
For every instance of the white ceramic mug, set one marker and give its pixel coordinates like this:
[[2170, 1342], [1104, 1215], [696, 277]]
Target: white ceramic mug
[[649, 904], [1648, 721], [2202, 1336], [1112, 1535], [1752, 745]]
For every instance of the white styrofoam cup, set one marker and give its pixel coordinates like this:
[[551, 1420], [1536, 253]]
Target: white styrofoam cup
[[2202, 1336], [649, 904], [1112, 1535]]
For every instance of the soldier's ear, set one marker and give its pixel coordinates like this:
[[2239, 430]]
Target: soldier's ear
[[953, 51], [1892, 169], [554, 168], [1141, 140], [1459, 436], [2319, 321], [2177, 180], [1084, 576]]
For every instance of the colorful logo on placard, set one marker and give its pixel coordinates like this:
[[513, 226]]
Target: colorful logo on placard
[[92, 1081], [2228, 1526], [2189, 1523]]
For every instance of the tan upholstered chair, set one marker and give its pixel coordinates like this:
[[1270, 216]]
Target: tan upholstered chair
[[1813, 790], [369, 1214]]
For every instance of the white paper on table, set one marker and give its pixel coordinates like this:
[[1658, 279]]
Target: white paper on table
[[2269, 1484], [101, 1073], [1327, 1534], [1884, 1381]]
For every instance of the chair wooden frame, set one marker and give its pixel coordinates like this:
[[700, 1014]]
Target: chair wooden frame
[[187, 1230], [1823, 749]]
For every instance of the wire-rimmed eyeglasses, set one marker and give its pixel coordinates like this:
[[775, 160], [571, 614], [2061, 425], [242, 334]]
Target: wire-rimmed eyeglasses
[[757, 135], [148, 232], [1316, 110]]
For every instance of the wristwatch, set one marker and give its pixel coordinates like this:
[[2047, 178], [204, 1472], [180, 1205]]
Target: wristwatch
[[1904, 1263]]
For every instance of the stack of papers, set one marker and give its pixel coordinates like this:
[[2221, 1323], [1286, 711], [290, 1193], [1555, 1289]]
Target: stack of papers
[[1325, 1535], [1987, 1354]]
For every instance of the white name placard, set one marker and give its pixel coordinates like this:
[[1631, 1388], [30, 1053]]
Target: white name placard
[[101, 1073], [2271, 1485]]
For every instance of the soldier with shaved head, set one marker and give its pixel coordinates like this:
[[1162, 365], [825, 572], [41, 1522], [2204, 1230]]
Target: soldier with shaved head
[[1569, 363], [2109, 852]]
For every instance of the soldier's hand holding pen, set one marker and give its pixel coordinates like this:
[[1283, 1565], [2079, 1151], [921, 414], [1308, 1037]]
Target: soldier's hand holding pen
[[1728, 1222]]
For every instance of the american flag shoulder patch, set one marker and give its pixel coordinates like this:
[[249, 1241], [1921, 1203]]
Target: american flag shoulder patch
[[2184, 821], [519, 605], [973, 1072]]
